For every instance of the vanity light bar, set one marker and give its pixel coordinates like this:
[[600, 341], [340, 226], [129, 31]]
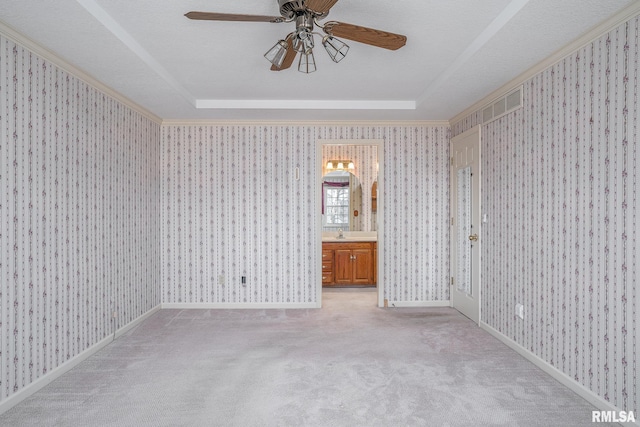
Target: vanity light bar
[[340, 165]]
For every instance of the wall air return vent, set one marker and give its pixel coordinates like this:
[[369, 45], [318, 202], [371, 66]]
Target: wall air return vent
[[514, 99], [487, 114], [498, 108], [504, 105]]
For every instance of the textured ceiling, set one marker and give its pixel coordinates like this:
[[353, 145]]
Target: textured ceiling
[[457, 53]]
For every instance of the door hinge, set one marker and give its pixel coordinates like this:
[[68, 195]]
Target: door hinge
[[452, 161], [451, 280], [451, 220]]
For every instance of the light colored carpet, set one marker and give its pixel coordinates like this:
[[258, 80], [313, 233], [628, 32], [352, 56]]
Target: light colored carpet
[[347, 364]]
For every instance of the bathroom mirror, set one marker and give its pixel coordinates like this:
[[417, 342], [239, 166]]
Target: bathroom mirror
[[341, 202], [364, 174]]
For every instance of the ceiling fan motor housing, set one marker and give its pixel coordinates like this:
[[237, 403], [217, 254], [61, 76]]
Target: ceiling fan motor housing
[[290, 8]]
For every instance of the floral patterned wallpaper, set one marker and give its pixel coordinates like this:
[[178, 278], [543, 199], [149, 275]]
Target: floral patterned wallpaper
[[232, 207], [78, 220], [560, 190]]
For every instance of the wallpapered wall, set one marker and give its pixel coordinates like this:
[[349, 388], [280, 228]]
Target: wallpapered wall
[[560, 188], [365, 161], [78, 222], [232, 208], [81, 235]]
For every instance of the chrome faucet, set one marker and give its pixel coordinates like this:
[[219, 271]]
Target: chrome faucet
[[340, 235]]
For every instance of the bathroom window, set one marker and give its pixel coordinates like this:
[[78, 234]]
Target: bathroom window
[[336, 208]]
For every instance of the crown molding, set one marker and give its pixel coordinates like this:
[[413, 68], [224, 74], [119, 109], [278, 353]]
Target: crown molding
[[595, 33], [76, 72], [208, 122]]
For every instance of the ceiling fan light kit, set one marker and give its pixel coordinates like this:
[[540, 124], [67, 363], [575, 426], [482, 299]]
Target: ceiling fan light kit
[[307, 14], [307, 63], [335, 47], [303, 42], [277, 53]]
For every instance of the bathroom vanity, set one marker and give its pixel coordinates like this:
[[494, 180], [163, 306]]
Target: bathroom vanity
[[349, 217], [349, 262]]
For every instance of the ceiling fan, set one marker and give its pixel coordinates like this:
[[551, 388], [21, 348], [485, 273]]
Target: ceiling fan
[[306, 14]]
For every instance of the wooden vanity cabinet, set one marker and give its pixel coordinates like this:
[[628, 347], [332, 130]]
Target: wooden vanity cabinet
[[353, 263], [327, 266], [375, 262]]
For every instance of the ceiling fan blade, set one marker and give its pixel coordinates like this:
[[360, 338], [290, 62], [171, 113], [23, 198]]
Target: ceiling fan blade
[[366, 35], [320, 6], [212, 16], [288, 58]]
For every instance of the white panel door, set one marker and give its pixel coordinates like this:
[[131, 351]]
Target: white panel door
[[465, 223]]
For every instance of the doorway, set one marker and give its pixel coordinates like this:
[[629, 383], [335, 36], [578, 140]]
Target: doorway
[[465, 223], [371, 213]]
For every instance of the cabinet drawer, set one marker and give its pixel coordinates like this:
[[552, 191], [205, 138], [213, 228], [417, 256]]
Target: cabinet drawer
[[346, 245], [327, 266], [327, 255], [327, 277]]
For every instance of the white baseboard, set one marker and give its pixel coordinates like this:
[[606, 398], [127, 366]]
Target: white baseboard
[[217, 305], [126, 328], [555, 373], [392, 304], [56, 373]]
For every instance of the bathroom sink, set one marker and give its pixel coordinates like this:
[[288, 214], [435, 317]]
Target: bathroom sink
[[351, 237]]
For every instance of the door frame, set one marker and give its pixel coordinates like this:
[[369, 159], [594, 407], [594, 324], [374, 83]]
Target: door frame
[[476, 202], [379, 143]]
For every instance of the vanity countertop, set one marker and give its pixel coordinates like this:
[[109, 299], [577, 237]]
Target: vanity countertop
[[350, 236]]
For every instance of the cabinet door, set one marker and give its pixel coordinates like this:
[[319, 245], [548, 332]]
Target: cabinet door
[[362, 266], [343, 266]]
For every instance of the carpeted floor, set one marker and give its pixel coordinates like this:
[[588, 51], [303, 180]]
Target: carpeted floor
[[347, 364]]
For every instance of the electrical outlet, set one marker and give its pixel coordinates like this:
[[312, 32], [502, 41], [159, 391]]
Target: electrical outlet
[[244, 280], [221, 279], [114, 314], [520, 311]]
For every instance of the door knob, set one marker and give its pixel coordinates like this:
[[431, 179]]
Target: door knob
[[473, 237]]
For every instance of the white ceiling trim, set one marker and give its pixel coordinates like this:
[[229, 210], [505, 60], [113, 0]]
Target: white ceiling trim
[[305, 104], [492, 29], [116, 29], [371, 123]]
